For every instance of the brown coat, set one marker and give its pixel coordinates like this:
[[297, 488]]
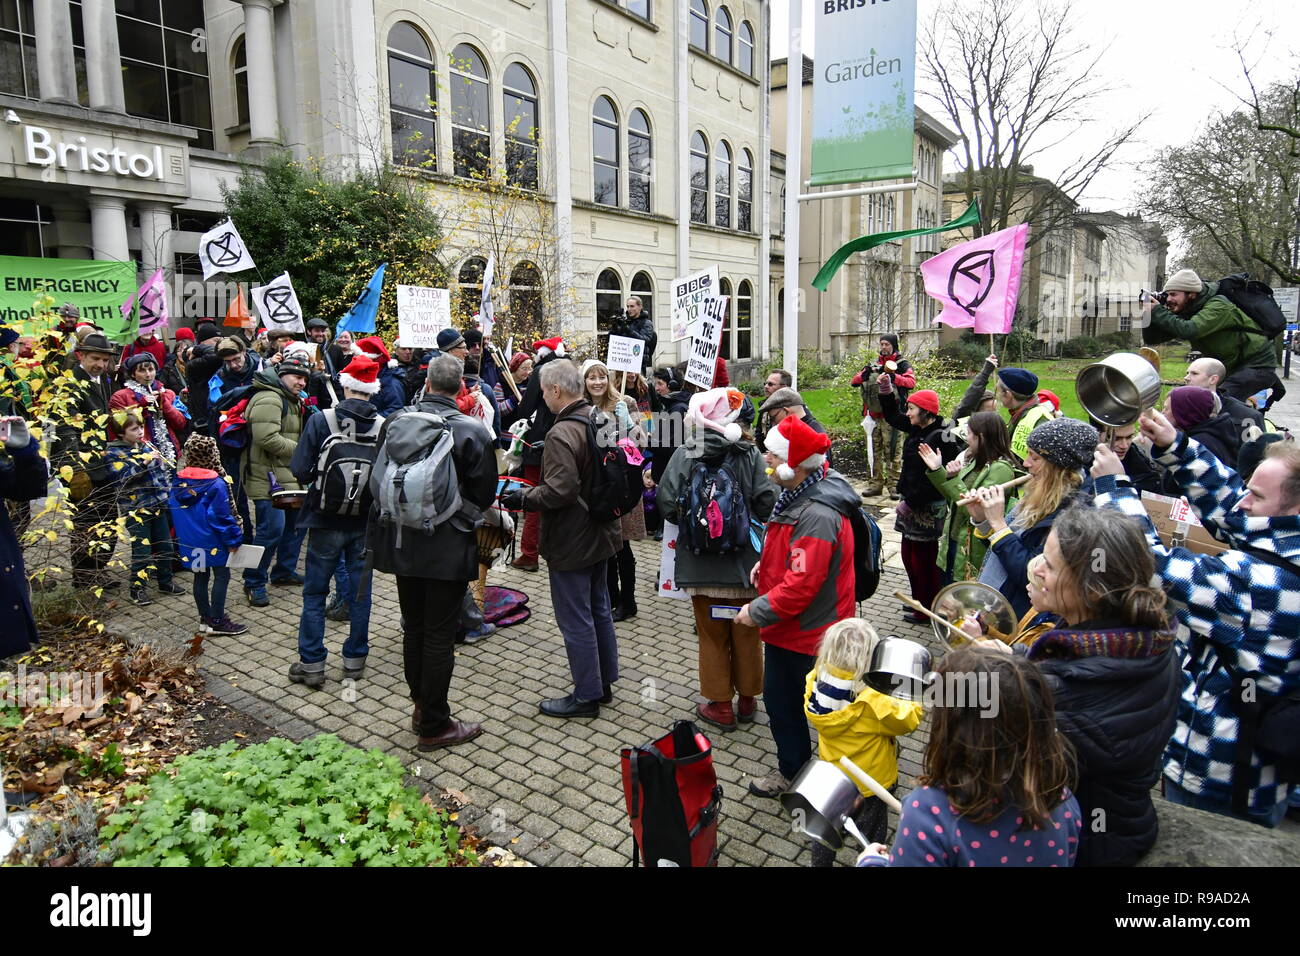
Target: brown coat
[[570, 540]]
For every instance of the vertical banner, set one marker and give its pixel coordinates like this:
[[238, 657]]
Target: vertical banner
[[703, 361], [863, 91], [689, 293], [667, 584], [486, 314]]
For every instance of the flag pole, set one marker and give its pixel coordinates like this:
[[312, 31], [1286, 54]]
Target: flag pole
[[794, 180]]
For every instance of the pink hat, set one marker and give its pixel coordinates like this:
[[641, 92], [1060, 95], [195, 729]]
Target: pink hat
[[712, 409]]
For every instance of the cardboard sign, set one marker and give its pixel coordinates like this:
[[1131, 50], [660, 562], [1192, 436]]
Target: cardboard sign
[[625, 354], [422, 313], [689, 293], [1187, 533], [707, 342], [667, 585]]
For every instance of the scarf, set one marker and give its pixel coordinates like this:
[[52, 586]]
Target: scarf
[[789, 495], [156, 421], [1069, 644]]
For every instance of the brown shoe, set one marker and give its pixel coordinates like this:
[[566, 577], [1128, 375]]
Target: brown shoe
[[746, 707], [522, 563], [456, 733]]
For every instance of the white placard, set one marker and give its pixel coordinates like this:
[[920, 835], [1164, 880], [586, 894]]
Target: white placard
[[689, 293], [1181, 511], [278, 306], [486, 314], [667, 584], [625, 354], [707, 342], [246, 556], [422, 313]]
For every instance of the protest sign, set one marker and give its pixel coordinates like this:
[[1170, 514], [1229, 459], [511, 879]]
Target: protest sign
[[422, 313], [1178, 526], [667, 585], [707, 342], [689, 293], [96, 288], [625, 354]]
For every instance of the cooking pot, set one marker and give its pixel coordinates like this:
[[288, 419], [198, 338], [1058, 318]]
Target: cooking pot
[[899, 668], [288, 500], [821, 797], [1115, 390]]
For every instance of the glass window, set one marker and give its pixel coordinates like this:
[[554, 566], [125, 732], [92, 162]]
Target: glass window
[[471, 122], [164, 76], [22, 226], [604, 152], [241, 83], [724, 288], [744, 313], [699, 178], [745, 192], [699, 25], [722, 35], [525, 298], [745, 49], [638, 161], [79, 52], [469, 291], [520, 98], [640, 7], [643, 287], [412, 98], [722, 185], [609, 303], [18, 50]]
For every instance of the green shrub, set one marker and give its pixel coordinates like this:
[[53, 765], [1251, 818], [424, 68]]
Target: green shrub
[[318, 803], [1117, 341], [1081, 346]]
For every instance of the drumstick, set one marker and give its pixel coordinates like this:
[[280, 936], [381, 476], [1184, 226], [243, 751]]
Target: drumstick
[[1005, 486], [922, 609], [871, 784]]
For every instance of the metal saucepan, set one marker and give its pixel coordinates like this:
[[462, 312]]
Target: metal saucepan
[[899, 668], [820, 798], [288, 500], [973, 601], [1115, 390]]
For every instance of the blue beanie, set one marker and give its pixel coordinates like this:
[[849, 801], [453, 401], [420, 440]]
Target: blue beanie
[[141, 358], [449, 339], [1018, 380], [7, 336]]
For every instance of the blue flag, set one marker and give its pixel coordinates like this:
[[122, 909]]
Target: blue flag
[[361, 317]]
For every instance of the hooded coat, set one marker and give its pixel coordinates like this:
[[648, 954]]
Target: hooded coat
[[864, 729], [275, 419], [23, 476], [203, 518]]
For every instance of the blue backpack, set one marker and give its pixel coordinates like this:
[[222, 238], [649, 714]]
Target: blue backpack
[[713, 512]]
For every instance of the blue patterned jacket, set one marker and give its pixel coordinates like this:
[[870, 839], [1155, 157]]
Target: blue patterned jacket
[[1233, 608]]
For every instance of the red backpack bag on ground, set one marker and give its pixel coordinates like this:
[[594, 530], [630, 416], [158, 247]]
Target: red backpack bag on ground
[[673, 799]]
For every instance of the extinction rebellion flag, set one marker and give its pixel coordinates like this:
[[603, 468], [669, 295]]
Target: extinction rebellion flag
[[222, 250], [977, 282]]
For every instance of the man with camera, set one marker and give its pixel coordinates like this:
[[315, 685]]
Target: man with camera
[[635, 323]]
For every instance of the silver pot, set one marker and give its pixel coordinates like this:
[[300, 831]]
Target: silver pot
[[899, 668], [1115, 390], [820, 798]]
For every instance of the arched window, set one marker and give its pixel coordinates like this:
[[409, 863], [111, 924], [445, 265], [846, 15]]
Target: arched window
[[412, 97], [520, 99], [609, 303], [525, 298], [471, 114], [700, 25], [724, 289], [699, 178], [745, 191], [722, 35], [722, 185], [744, 313], [745, 49], [643, 287], [469, 293], [241, 83], [638, 160], [604, 152]]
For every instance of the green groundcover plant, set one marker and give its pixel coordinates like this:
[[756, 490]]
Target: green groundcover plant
[[318, 803]]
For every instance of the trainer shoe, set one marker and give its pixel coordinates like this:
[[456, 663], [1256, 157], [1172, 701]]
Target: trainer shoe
[[140, 596], [479, 633], [257, 598], [771, 786], [224, 626]]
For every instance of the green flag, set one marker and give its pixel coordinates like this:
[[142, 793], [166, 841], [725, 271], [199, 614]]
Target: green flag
[[824, 275]]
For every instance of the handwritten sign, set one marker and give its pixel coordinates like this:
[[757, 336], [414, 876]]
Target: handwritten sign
[[422, 313], [667, 584], [707, 342], [625, 354], [689, 293]]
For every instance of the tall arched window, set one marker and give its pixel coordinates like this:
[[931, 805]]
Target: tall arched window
[[638, 160], [744, 313], [700, 25], [604, 152], [609, 303], [745, 49], [745, 191], [643, 287], [471, 114], [722, 35], [722, 185], [240, 61], [469, 291], [412, 97], [525, 298], [699, 178], [520, 99], [724, 289]]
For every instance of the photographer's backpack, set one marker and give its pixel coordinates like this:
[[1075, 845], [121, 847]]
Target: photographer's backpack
[[673, 799], [616, 484], [413, 480], [714, 516], [343, 468], [1255, 299]]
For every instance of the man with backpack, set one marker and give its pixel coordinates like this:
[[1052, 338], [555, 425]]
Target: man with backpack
[[574, 542], [333, 461], [434, 475]]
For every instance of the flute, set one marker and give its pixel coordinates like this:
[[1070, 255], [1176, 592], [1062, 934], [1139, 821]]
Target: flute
[[1005, 486]]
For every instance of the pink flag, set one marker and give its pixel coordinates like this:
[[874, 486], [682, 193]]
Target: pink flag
[[151, 300], [978, 281]]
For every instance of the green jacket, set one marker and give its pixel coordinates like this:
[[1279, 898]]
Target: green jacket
[[275, 421], [1217, 329], [969, 553]]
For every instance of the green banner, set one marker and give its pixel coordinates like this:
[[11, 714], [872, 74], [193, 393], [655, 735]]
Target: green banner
[[97, 288]]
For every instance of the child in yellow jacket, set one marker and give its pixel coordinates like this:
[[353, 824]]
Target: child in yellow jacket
[[856, 721]]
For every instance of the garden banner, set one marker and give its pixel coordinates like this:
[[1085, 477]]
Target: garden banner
[[96, 288], [977, 282], [863, 115]]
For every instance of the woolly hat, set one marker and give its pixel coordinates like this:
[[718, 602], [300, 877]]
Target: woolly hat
[[544, 347], [373, 346], [1189, 405], [588, 366], [1018, 380], [205, 331], [294, 363], [8, 336], [1065, 442], [201, 452], [926, 398], [361, 375], [713, 409], [1184, 280], [794, 441], [891, 338], [518, 359], [473, 337], [185, 335], [1046, 395], [231, 346], [449, 339], [141, 358]]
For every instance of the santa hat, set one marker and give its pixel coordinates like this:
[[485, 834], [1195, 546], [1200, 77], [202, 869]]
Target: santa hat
[[793, 441], [373, 347], [544, 347], [712, 409], [1046, 395], [361, 375]]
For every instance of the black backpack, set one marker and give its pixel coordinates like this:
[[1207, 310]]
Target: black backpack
[[616, 484], [714, 516], [1255, 300], [343, 467], [866, 554]]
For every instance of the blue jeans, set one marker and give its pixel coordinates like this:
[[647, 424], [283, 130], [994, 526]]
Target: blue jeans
[[785, 680], [215, 606], [581, 602], [342, 585], [278, 533], [326, 547], [151, 545], [1185, 798]]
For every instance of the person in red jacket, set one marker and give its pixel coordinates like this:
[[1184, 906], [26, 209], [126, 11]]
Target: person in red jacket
[[804, 578], [146, 343], [164, 424], [886, 441]]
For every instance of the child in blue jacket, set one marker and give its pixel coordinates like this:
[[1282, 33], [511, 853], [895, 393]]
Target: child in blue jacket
[[142, 480], [207, 531]]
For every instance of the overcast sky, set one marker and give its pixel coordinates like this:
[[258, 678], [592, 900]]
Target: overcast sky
[[1173, 58]]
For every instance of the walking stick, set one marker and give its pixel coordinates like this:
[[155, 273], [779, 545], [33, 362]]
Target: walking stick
[[870, 782]]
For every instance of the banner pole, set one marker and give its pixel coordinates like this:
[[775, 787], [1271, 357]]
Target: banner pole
[[793, 179]]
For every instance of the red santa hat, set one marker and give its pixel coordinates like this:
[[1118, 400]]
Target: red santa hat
[[361, 375], [372, 346], [793, 441], [544, 347]]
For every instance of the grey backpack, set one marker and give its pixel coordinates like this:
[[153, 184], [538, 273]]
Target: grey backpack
[[414, 480]]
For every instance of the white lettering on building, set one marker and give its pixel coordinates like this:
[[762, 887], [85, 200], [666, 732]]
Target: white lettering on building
[[42, 150]]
